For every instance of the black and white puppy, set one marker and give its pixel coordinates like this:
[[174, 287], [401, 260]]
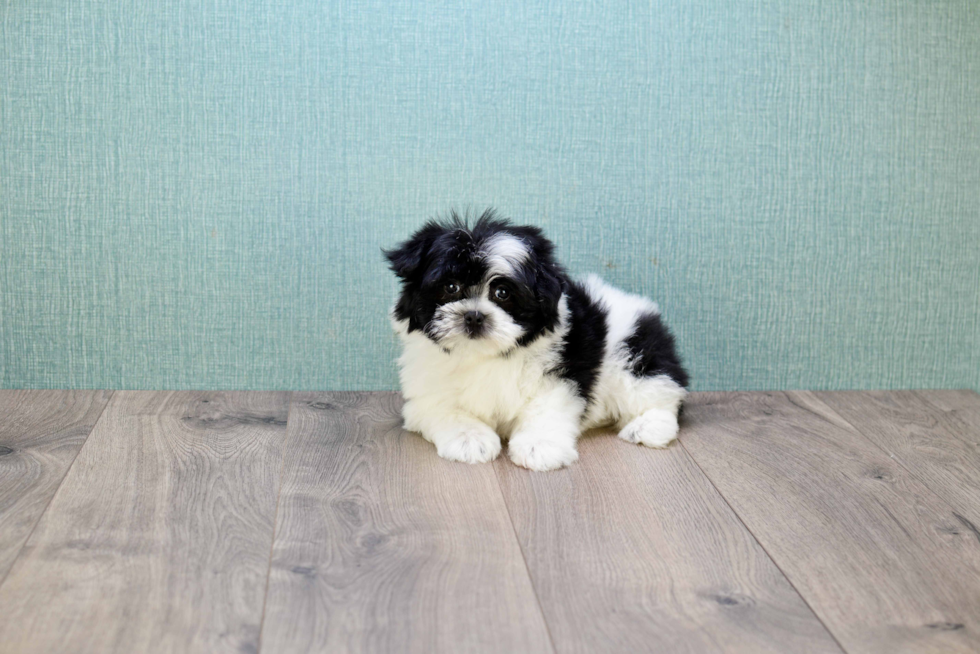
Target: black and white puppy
[[500, 342]]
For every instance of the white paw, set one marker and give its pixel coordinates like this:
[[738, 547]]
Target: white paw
[[541, 455], [655, 428], [471, 445]]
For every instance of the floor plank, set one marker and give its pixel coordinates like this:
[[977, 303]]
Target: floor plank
[[383, 546], [880, 558], [633, 550], [952, 400], [158, 539], [939, 447], [41, 431]]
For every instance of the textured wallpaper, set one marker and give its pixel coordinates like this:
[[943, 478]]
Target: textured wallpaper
[[195, 193]]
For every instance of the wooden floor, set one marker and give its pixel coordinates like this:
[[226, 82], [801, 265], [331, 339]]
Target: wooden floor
[[310, 522]]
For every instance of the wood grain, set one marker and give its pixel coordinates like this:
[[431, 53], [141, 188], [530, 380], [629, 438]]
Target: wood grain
[[951, 400], [382, 546], [41, 432], [158, 539], [881, 559], [633, 550], [939, 447]]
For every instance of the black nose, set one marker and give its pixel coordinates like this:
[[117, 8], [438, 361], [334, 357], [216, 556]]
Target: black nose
[[473, 319]]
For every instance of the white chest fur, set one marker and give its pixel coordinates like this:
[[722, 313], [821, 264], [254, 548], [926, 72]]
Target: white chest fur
[[494, 389]]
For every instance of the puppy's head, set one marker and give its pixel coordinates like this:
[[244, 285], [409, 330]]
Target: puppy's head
[[485, 289]]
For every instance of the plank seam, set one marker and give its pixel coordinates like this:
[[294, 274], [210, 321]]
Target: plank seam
[[899, 461], [112, 394], [527, 568], [762, 547], [275, 523]]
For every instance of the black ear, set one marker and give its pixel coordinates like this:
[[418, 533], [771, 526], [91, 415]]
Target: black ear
[[550, 285], [550, 279], [407, 258]]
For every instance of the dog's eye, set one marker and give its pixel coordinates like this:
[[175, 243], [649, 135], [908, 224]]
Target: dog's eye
[[452, 288], [501, 293]]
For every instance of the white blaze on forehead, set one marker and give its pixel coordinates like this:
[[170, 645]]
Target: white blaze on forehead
[[504, 253]]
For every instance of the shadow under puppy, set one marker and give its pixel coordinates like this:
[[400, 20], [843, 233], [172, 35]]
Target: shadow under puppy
[[498, 342]]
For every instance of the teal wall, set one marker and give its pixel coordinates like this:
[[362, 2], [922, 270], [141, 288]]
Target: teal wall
[[194, 193]]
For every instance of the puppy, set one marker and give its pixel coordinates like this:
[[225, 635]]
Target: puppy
[[498, 342]]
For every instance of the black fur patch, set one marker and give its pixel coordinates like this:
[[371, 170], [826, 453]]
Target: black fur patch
[[585, 343], [652, 351]]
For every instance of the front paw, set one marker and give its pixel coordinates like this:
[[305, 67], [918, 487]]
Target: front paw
[[471, 445], [542, 455]]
